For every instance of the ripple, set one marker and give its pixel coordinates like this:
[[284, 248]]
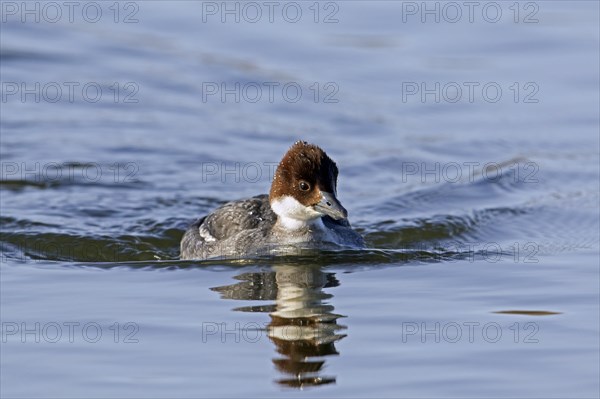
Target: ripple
[[55, 175], [82, 248]]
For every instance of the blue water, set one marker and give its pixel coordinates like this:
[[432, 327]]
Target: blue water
[[469, 159]]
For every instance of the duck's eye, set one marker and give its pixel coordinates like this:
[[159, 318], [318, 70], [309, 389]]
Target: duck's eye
[[304, 186]]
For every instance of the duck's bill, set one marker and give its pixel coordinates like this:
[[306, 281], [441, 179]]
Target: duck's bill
[[330, 206]]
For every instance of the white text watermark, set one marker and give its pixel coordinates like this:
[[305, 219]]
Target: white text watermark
[[252, 12], [270, 92], [71, 92], [69, 12], [452, 12], [70, 332], [469, 92], [54, 172]]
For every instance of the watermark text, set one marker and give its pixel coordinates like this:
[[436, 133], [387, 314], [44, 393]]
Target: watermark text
[[69, 11], [270, 92], [252, 12], [451, 12], [470, 92], [71, 92], [70, 332], [54, 172]]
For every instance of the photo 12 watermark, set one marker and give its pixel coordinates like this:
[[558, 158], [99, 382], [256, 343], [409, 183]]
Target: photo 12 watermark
[[69, 332], [469, 331], [450, 251], [452, 12], [518, 171], [69, 172], [252, 12], [270, 92], [53, 12], [70, 92], [490, 252], [470, 92]]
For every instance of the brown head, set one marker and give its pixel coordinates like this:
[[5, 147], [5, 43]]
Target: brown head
[[305, 184]]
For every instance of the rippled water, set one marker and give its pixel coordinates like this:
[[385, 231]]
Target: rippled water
[[481, 215]]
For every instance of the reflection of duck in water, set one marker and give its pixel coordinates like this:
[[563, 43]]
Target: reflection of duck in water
[[302, 326]]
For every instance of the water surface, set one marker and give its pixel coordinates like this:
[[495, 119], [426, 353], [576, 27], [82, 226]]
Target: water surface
[[481, 214]]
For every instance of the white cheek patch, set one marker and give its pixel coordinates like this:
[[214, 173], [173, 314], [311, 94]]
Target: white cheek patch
[[288, 207]]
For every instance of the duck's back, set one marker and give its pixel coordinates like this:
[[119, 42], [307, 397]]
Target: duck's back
[[229, 229]]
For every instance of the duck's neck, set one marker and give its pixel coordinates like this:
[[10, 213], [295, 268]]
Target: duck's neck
[[292, 215], [288, 223]]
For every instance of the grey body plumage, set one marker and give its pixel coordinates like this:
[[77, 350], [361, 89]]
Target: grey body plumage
[[248, 227]]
